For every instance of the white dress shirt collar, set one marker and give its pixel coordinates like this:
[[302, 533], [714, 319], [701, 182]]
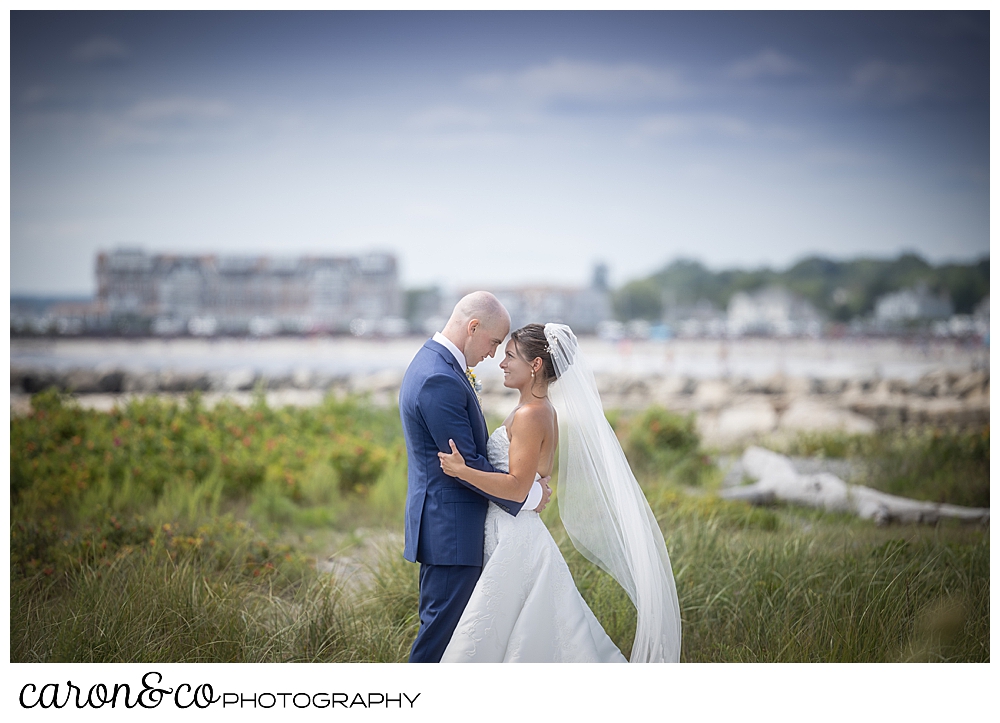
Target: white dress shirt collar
[[450, 346]]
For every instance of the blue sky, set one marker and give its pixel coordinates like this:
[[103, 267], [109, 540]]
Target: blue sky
[[497, 148]]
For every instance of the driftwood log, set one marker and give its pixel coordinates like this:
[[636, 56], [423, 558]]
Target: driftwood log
[[777, 481]]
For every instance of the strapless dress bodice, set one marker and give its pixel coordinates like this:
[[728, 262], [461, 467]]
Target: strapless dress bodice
[[498, 521]]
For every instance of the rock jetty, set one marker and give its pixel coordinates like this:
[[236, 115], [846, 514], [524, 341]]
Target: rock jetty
[[727, 410]]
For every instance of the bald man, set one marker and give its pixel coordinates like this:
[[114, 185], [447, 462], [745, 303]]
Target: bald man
[[445, 516]]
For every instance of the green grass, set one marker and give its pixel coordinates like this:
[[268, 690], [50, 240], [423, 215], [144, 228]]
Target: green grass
[[787, 585], [149, 608], [775, 586], [149, 551]]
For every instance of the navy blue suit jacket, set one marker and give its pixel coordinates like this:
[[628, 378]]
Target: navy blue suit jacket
[[444, 515]]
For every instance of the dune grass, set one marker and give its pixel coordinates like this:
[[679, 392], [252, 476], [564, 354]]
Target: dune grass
[[149, 608], [787, 585], [792, 588], [144, 551]]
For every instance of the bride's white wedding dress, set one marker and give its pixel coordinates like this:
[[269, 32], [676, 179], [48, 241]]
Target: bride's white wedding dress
[[526, 607]]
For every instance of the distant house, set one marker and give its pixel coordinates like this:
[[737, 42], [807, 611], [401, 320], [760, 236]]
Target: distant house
[[981, 317], [965, 325], [772, 311], [44, 315], [911, 305], [701, 319], [583, 308], [982, 311], [208, 294]]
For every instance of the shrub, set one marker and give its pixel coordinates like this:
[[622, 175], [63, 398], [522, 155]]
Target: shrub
[[661, 443], [358, 463], [240, 476]]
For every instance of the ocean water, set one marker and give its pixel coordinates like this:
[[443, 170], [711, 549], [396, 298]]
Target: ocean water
[[347, 356]]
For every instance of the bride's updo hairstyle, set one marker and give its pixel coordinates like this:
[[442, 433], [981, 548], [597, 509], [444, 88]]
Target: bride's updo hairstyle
[[531, 344]]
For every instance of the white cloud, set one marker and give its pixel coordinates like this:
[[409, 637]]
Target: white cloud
[[452, 139], [768, 62], [178, 109], [100, 48], [120, 132], [893, 84], [677, 124], [449, 118], [162, 120], [840, 158], [150, 121], [564, 79], [36, 94]]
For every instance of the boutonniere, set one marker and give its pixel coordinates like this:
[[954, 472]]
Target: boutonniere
[[477, 386]]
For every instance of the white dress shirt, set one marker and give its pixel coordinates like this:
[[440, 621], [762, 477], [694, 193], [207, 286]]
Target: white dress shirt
[[535, 494], [450, 346]]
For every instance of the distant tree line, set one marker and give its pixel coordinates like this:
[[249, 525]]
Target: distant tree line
[[842, 290]]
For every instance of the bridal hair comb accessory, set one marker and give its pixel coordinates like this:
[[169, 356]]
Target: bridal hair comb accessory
[[562, 346]]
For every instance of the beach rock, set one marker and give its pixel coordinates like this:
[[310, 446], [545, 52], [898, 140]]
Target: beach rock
[[777, 384], [675, 386], [827, 386], [383, 381], [798, 386], [111, 382], [277, 381], [898, 386], [302, 378], [933, 384], [172, 381], [17, 379], [806, 415], [971, 383], [140, 382], [235, 380], [636, 394], [946, 412], [334, 383], [746, 419], [81, 381], [38, 380], [279, 398], [713, 394]]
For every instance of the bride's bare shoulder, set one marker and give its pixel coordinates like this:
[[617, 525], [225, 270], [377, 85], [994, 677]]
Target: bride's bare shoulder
[[539, 417]]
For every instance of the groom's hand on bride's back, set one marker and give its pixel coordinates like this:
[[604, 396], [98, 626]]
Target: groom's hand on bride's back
[[546, 493]]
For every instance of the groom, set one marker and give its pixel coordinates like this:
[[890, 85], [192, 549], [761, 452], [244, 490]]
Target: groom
[[444, 515]]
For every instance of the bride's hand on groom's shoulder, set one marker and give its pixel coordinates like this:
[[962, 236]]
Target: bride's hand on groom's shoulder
[[452, 463]]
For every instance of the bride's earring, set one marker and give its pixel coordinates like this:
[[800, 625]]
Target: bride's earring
[[532, 373]]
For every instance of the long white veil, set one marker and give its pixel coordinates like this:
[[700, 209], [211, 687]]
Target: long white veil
[[603, 509]]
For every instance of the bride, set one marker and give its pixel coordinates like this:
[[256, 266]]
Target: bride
[[526, 607]]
